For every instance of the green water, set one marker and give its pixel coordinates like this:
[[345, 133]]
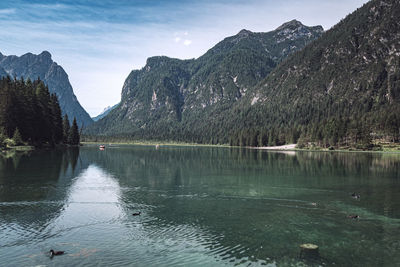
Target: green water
[[199, 207]]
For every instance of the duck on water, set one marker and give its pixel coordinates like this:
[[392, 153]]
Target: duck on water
[[55, 253]]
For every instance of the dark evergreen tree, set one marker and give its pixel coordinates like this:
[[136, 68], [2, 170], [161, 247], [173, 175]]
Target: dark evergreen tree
[[56, 120], [2, 138], [66, 128], [28, 113], [43, 113], [392, 125], [7, 106], [73, 138], [17, 138]]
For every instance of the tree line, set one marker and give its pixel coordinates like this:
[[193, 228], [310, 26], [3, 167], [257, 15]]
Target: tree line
[[29, 114]]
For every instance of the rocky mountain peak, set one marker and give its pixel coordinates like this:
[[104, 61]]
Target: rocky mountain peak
[[244, 33], [45, 55], [156, 61], [291, 25], [294, 29]]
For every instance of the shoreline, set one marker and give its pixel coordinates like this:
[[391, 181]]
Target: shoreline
[[150, 143], [18, 148], [287, 148]]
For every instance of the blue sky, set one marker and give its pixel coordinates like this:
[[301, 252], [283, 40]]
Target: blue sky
[[98, 42]]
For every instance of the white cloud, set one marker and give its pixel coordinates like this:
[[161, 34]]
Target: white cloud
[[7, 11], [177, 39], [187, 42]]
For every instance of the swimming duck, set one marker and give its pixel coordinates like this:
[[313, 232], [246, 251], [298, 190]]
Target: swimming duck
[[55, 253], [353, 216], [136, 213], [356, 196]]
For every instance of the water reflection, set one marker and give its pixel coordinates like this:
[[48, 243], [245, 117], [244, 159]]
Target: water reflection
[[256, 206], [32, 192], [200, 206]]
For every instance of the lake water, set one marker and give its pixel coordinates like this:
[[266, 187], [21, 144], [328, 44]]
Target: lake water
[[200, 206]]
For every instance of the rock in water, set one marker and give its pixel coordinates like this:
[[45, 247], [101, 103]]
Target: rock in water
[[309, 251]]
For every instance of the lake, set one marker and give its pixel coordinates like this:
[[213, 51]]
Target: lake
[[200, 206]]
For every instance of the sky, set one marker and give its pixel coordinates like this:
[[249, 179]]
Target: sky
[[99, 42]]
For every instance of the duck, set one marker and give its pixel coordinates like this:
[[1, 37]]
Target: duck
[[55, 253], [136, 213], [353, 216], [356, 196]]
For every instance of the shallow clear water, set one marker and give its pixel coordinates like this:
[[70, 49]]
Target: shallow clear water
[[199, 207]]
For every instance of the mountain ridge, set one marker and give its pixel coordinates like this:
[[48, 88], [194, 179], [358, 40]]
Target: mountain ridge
[[168, 90], [256, 89], [342, 88]]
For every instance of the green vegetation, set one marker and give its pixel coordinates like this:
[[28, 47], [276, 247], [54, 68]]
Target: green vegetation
[[30, 115], [341, 91], [163, 100], [73, 135]]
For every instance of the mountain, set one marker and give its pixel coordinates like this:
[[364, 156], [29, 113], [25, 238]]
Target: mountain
[[3, 73], [104, 112], [33, 66], [343, 88], [340, 90], [167, 94]]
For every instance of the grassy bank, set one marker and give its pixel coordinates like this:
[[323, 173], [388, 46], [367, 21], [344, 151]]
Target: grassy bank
[[11, 152]]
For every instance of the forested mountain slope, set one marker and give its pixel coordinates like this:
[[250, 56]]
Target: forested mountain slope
[[168, 95], [33, 66], [344, 87]]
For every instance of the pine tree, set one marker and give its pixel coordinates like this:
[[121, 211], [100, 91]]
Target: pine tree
[[2, 138], [73, 138], [17, 138], [66, 127], [7, 106], [27, 112], [44, 113], [56, 120]]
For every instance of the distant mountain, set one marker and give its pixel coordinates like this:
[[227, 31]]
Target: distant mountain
[[33, 66], [104, 112], [168, 95]]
